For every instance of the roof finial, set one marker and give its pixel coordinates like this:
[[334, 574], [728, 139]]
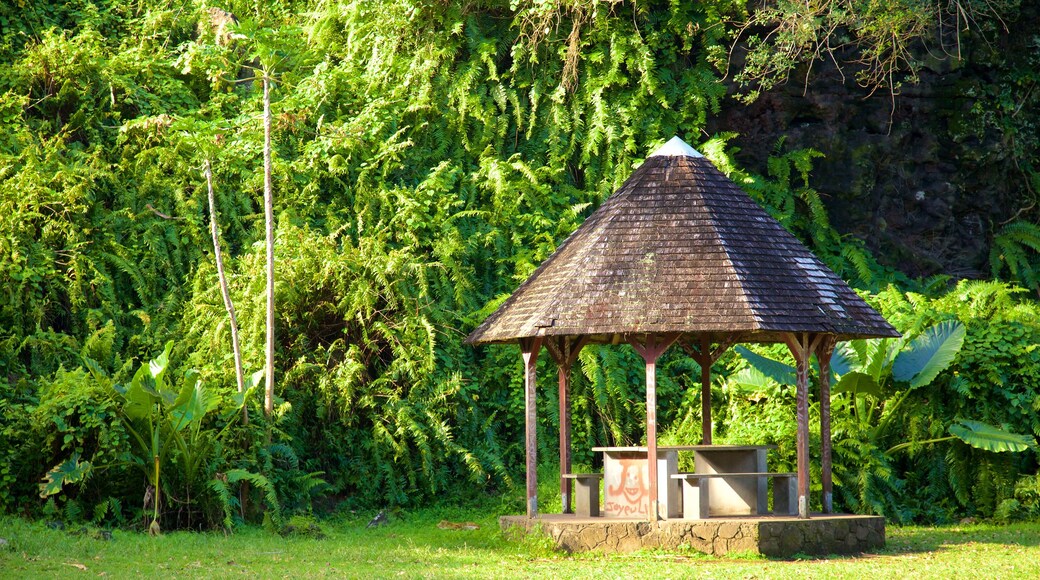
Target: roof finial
[[676, 147]]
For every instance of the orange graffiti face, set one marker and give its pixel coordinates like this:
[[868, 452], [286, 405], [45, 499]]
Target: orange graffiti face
[[631, 487]]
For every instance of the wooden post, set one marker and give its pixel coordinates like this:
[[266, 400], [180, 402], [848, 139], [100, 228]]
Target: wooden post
[[705, 362], [802, 349], [706, 357], [565, 352], [651, 350], [529, 348], [799, 348], [564, 374], [651, 435], [824, 350]]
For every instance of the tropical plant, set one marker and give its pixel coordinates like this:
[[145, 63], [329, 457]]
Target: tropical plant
[[869, 371], [879, 380], [167, 427]]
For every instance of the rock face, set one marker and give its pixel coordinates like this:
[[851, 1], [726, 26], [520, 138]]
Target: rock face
[[925, 177], [774, 537]]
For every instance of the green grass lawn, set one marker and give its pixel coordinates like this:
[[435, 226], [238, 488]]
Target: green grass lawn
[[413, 546]]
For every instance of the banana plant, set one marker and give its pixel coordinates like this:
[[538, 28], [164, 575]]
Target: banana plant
[[979, 435], [879, 367], [877, 379], [878, 376], [875, 366]]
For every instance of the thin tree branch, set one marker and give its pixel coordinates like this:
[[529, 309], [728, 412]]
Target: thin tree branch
[[161, 214], [269, 229], [228, 304]]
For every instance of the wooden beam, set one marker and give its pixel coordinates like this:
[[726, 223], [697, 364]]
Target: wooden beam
[[529, 348], [722, 347], [824, 350], [564, 351], [654, 345], [651, 349]]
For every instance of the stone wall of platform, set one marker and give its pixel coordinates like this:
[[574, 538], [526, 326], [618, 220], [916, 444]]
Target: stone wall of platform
[[774, 537]]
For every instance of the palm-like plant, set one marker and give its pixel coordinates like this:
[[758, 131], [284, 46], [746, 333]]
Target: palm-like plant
[[163, 417], [166, 426]]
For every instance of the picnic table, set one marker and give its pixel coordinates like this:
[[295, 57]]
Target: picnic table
[[727, 480]]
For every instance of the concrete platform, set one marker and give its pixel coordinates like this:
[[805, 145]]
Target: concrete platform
[[774, 536]]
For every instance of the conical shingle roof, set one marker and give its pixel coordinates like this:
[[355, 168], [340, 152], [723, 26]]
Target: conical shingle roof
[[680, 248]]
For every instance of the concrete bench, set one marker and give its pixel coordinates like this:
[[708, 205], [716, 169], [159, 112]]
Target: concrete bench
[[586, 493], [696, 499]]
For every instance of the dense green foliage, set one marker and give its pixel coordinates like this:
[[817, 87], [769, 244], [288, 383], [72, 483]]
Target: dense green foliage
[[427, 159]]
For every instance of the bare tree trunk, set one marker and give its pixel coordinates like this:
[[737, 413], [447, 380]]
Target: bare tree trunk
[[208, 171], [269, 223]]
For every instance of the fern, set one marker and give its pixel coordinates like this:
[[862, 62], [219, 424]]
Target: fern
[[109, 507], [1016, 249], [269, 494], [225, 499], [73, 511], [863, 264]]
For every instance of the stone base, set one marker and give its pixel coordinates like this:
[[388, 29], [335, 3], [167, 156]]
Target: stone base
[[769, 536]]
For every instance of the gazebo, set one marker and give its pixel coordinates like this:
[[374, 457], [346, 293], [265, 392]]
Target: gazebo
[[680, 255]]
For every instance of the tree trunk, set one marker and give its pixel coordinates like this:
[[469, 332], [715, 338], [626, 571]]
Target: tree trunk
[[207, 169], [269, 224]]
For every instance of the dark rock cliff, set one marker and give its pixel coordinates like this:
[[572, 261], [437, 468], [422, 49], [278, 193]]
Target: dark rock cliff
[[925, 177]]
